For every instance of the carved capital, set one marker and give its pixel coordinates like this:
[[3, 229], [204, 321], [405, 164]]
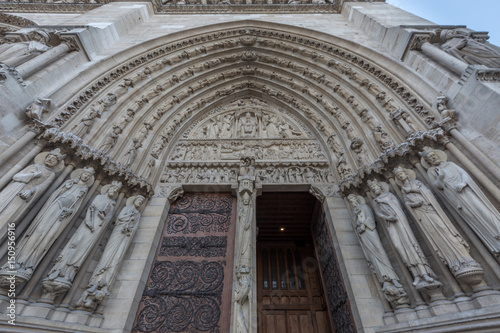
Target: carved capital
[[417, 40], [72, 42]]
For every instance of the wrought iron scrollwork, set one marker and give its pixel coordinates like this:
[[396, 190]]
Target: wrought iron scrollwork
[[210, 246], [334, 287], [182, 296], [193, 213]]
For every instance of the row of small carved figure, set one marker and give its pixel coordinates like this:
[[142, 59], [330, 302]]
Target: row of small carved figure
[[58, 213], [271, 174], [298, 151], [463, 195]]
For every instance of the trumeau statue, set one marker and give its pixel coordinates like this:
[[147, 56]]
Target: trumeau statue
[[244, 254], [28, 185], [461, 45], [388, 208], [125, 226], [364, 223], [75, 252], [444, 238], [465, 195], [49, 223]]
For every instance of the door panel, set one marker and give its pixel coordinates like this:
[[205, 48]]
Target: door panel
[[290, 297]]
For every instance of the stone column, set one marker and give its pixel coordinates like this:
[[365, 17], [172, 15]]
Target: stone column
[[244, 308], [42, 60], [21, 164], [16, 147], [421, 43], [479, 155]]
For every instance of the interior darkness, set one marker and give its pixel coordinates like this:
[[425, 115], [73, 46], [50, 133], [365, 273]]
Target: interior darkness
[[292, 211]]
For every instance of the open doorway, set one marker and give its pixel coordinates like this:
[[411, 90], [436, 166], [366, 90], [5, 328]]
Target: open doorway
[[290, 294]]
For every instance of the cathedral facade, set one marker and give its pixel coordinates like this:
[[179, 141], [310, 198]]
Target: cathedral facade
[[246, 166]]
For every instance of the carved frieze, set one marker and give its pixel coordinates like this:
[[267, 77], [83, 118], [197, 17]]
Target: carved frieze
[[203, 150], [226, 173]]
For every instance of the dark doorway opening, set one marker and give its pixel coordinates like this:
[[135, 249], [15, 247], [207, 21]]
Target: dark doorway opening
[[290, 294]]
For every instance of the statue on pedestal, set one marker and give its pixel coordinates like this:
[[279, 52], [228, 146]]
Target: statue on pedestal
[[125, 226], [49, 223], [465, 195], [364, 223], [28, 185], [82, 242], [389, 210], [443, 237]]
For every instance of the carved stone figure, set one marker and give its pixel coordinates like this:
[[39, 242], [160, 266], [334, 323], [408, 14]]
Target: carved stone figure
[[244, 254], [125, 226], [85, 124], [465, 195], [247, 166], [27, 186], [388, 209], [49, 223], [382, 138], [111, 138], [247, 126], [75, 252], [364, 223], [451, 248], [226, 126], [40, 106], [461, 45], [15, 54], [126, 118], [131, 154]]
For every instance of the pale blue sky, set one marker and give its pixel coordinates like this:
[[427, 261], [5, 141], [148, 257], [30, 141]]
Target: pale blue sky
[[479, 15]]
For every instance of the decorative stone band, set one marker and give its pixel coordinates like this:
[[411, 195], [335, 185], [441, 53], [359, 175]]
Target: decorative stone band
[[187, 49], [391, 157], [112, 168], [43, 6], [283, 172], [15, 20], [488, 75], [197, 7]]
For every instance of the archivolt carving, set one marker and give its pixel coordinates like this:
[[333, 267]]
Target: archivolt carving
[[326, 76]]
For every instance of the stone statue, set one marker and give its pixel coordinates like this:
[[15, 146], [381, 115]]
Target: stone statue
[[75, 252], [248, 126], [364, 223], [388, 208], [226, 127], [244, 254], [15, 54], [83, 128], [131, 154], [125, 226], [49, 223], [382, 138], [111, 138], [444, 238], [461, 45], [40, 106], [27, 186], [465, 195], [247, 166]]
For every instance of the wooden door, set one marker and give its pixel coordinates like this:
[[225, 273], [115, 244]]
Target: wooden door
[[290, 296]]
